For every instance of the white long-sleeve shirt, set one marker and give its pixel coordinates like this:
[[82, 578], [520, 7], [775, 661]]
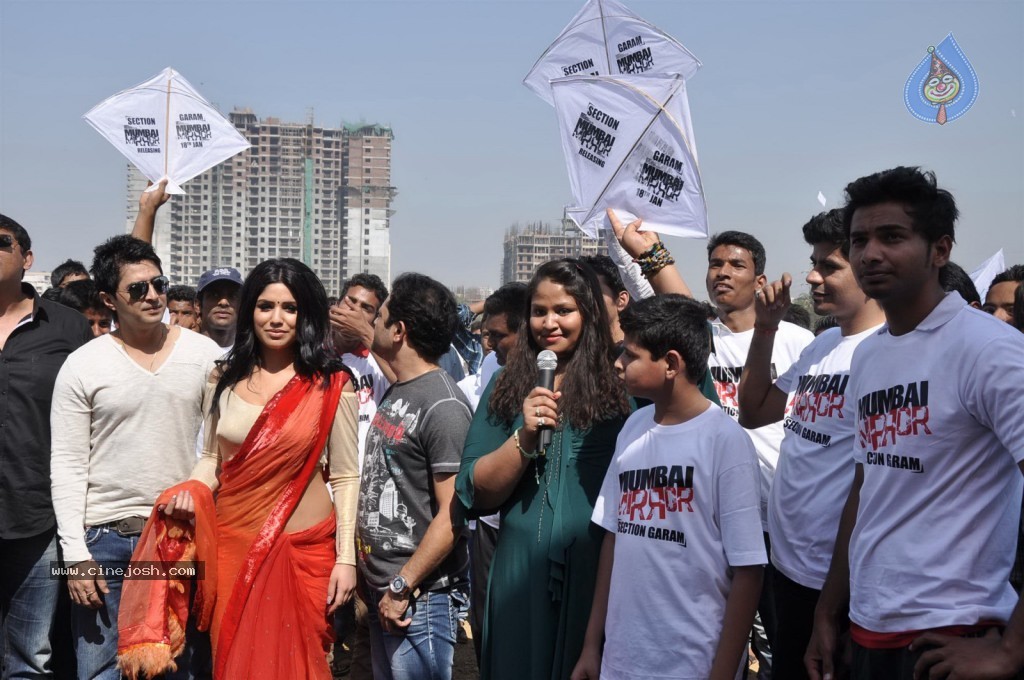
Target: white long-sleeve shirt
[[122, 434]]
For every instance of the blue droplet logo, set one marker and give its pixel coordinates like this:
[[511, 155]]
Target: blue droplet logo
[[943, 86]]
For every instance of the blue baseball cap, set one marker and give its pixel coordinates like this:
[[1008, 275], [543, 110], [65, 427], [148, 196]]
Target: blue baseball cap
[[219, 274]]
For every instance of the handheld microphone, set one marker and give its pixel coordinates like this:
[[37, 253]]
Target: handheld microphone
[[547, 363]]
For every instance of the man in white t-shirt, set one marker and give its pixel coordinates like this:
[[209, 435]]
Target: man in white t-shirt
[[814, 469], [681, 564], [352, 332], [736, 262], [125, 413], [927, 536]]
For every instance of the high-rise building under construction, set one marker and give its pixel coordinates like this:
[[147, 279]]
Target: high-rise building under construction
[[526, 248], [320, 195]]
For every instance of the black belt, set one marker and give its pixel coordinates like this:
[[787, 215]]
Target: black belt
[[129, 526]]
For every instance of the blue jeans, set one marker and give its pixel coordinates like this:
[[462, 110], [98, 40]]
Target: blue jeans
[[423, 651], [95, 630], [28, 604]]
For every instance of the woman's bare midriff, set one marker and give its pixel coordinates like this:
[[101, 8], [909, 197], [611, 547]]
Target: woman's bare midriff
[[315, 505]]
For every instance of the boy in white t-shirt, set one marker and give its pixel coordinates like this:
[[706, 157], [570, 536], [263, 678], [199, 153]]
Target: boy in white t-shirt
[[681, 565], [814, 469], [926, 540], [736, 262]]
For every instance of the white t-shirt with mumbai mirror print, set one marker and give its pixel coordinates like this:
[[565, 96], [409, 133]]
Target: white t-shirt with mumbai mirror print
[[683, 502], [940, 434], [726, 366], [814, 473]]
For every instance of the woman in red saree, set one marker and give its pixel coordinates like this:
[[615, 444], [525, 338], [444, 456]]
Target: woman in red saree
[[282, 419]]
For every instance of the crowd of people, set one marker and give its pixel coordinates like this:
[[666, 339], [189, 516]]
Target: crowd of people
[[614, 479]]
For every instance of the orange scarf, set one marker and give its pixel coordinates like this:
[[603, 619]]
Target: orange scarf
[[259, 489]]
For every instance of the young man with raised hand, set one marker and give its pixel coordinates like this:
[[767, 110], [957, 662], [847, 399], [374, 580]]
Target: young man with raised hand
[[352, 332], [681, 564], [814, 468], [926, 539], [126, 411], [351, 320]]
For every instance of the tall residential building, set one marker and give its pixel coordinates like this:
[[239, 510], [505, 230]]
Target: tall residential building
[[320, 195], [530, 247]]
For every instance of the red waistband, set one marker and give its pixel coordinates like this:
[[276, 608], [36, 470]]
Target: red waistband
[[869, 639]]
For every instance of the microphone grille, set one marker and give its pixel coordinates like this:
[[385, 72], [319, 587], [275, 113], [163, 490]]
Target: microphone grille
[[547, 360]]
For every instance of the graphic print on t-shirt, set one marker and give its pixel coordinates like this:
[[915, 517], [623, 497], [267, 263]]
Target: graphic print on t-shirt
[[652, 494], [384, 512], [884, 415], [364, 392], [727, 383], [816, 396]]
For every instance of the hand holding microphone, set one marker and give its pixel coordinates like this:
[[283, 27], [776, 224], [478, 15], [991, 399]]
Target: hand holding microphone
[[540, 409]]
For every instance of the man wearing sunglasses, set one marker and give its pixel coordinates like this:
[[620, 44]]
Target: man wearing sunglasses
[[36, 336], [126, 411]]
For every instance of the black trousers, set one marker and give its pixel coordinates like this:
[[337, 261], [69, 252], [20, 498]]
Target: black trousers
[[794, 617], [481, 550]]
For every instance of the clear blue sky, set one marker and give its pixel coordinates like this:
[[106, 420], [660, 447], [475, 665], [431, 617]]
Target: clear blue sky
[[794, 97]]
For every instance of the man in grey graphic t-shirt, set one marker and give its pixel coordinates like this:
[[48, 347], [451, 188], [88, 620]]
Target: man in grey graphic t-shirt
[[413, 560]]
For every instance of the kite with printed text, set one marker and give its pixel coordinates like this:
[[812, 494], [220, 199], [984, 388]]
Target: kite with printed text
[[628, 145], [166, 129], [605, 38]]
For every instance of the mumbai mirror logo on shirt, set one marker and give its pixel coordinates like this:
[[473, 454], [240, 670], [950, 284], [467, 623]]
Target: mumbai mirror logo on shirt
[[649, 494], [884, 415]]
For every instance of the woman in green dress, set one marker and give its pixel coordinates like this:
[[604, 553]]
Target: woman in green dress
[[545, 562]]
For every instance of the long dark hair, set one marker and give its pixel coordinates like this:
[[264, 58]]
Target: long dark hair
[[312, 360], [592, 392]]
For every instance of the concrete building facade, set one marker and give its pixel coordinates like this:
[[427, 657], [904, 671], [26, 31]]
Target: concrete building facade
[[526, 248], [319, 195]]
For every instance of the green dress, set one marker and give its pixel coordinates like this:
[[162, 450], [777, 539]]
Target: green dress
[[545, 563]]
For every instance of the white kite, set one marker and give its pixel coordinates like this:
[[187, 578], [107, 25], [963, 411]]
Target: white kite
[[166, 129], [628, 145], [986, 271], [605, 38]]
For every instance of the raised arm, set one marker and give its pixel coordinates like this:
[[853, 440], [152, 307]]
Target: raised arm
[[760, 402], [348, 320], [637, 244], [149, 203]]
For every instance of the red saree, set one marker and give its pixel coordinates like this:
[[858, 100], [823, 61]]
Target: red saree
[[266, 599]]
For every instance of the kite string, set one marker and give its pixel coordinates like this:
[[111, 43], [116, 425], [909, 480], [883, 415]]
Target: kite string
[[661, 109], [604, 37], [167, 127]]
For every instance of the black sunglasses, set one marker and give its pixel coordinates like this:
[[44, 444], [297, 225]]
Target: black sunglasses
[[6, 241], [136, 291]]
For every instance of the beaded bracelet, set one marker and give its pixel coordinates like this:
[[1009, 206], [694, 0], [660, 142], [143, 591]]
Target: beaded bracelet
[[654, 259], [529, 455]]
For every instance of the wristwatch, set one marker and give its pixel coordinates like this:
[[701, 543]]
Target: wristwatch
[[399, 586]]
